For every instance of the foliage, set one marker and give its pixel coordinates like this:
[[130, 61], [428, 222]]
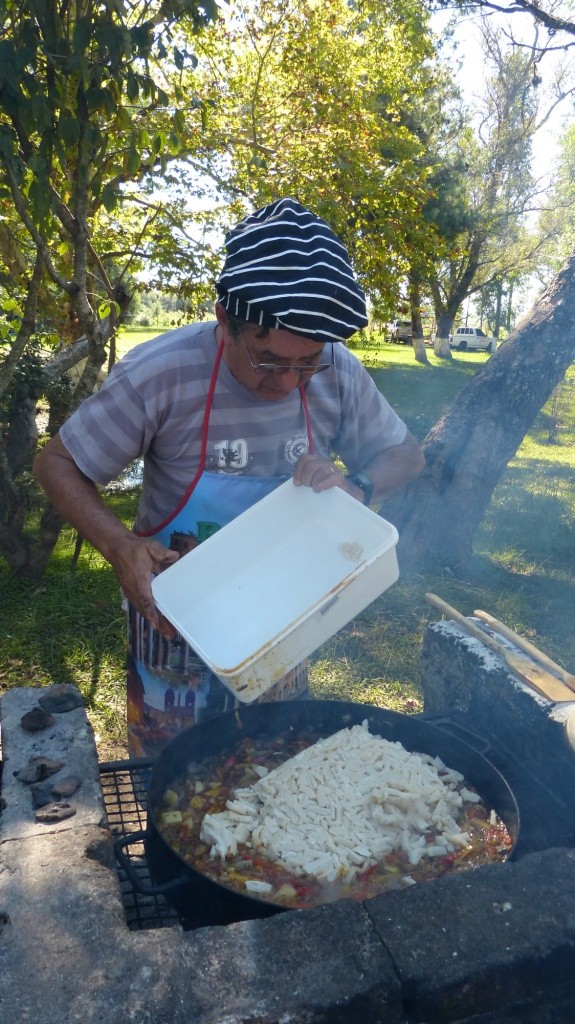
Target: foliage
[[309, 98], [85, 112], [153, 308]]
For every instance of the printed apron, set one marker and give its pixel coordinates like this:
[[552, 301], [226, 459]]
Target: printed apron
[[169, 686]]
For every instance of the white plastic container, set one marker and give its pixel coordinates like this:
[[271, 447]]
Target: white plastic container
[[267, 590]]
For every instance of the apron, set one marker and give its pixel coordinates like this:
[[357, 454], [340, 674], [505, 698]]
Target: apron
[[169, 686]]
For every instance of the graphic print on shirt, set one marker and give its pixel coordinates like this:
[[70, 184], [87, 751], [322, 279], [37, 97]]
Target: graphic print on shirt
[[295, 447], [232, 454]]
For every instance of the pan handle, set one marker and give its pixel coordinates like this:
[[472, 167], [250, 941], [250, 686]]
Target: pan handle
[[125, 862]]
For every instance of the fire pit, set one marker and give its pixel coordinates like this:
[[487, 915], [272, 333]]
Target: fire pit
[[497, 944]]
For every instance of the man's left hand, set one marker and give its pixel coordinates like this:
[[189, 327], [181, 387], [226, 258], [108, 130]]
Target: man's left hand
[[317, 473]]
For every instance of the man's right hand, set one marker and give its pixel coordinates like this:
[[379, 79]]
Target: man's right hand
[[136, 560]]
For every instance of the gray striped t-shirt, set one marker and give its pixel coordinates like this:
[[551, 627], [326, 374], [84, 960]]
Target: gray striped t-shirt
[[152, 406]]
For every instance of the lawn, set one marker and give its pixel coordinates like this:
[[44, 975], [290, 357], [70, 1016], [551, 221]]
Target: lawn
[[70, 627], [128, 339]]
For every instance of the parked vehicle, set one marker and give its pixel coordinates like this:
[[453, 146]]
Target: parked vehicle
[[399, 330], [471, 338]]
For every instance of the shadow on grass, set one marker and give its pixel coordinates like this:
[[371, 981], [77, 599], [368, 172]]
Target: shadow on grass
[[68, 629], [419, 394]]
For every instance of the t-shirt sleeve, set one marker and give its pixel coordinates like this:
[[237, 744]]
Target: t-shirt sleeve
[[368, 423], [108, 430]]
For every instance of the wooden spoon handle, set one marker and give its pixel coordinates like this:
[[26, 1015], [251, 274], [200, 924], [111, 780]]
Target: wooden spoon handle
[[525, 645], [473, 630], [521, 664]]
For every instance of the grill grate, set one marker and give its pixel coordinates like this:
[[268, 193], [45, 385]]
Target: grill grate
[[124, 786]]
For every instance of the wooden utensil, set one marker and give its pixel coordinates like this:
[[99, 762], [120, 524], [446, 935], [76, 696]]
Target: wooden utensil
[[525, 645], [523, 667]]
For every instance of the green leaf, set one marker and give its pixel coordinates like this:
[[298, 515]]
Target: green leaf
[[40, 198], [73, 64], [110, 198], [123, 119], [106, 307], [81, 35], [132, 87], [133, 161], [42, 113], [93, 134], [68, 129], [7, 142], [101, 99]]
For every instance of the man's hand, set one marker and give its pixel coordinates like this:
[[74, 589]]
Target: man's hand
[[136, 560], [390, 470], [317, 473]]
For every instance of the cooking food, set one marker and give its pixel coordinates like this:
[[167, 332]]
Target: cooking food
[[300, 821]]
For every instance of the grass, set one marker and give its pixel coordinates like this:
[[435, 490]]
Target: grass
[[128, 339], [70, 627]]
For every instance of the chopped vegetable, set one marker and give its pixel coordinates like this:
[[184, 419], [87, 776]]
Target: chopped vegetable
[[171, 818], [207, 788]]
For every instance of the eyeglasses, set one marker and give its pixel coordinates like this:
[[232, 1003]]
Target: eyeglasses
[[303, 370]]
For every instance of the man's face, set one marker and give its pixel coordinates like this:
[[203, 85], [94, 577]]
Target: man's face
[[242, 354]]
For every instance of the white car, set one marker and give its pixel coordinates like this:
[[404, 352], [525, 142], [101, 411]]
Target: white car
[[470, 338], [399, 330]]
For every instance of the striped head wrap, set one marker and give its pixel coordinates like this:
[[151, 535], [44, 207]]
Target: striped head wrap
[[286, 269]]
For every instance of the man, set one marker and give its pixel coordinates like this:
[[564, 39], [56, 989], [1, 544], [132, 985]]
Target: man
[[222, 413]]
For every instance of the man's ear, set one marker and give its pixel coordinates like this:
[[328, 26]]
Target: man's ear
[[224, 322], [222, 316]]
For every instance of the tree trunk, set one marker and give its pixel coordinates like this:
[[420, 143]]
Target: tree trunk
[[499, 301], [416, 324], [27, 552], [420, 350], [467, 450], [441, 347]]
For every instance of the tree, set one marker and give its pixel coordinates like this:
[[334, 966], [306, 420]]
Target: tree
[[438, 514], [308, 98], [469, 447], [440, 122], [494, 187], [547, 14], [84, 112]]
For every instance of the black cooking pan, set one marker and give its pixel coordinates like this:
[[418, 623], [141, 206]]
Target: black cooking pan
[[198, 899]]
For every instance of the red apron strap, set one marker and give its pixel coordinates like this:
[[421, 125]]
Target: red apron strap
[[205, 429], [307, 419]]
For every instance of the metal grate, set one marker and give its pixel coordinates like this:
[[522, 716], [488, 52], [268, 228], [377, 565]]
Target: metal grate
[[124, 785]]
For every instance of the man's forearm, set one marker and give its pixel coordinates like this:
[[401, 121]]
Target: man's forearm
[[395, 467]]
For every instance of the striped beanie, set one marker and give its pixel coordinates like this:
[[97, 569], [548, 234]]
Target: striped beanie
[[286, 269]]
